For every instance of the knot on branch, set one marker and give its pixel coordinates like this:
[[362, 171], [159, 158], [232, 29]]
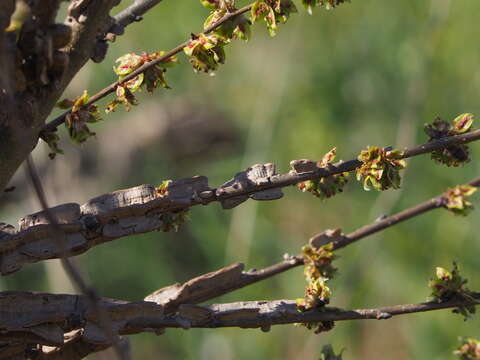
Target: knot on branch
[[326, 237], [257, 175]]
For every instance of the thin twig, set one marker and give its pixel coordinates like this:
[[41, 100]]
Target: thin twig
[[52, 126], [73, 273], [134, 12], [435, 203]]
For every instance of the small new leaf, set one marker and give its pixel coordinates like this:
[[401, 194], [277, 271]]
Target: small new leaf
[[380, 168], [328, 4], [52, 139], [76, 120], [162, 189], [318, 262], [219, 4], [273, 12], [123, 96], [150, 79], [206, 52], [173, 220], [235, 28], [453, 155], [449, 285], [469, 349], [318, 327], [456, 199], [329, 354], [318, 271], [325, 187], [211, 4]]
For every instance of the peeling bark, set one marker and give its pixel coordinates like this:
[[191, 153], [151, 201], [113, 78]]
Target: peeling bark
[[50, 319]]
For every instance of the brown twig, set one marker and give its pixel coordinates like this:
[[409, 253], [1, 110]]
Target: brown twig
[[52, 126], [435, 203]]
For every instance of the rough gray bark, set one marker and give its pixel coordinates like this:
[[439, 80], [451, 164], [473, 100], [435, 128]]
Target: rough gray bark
[[31, 89], [45, 318], [145, 208], [37, 66]]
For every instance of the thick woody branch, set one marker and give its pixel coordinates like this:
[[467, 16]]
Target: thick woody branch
[[146, 208], [177, 302], [58, 235], [44, 12], [215, 284], [263, 314], [50, 316], [12, 145], [41, 63]]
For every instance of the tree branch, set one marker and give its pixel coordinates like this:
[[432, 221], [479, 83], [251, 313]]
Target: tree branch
[[42, 68], [73, 273], [228, 279], [54, 315], [435, 203], [262, 314], [181, 299], [145, 208], [52, 126], [132, 14]]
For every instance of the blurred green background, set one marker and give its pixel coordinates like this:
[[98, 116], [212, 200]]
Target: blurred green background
[[370, 72]]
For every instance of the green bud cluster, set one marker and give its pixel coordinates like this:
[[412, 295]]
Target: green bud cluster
[[325, 187], [274, 12], [150, 79], [380, 168], [453, 155], [206, 52], [469, 349], [328, 4], [456, 199], [81, 113], [329, 354], [449, 285], [318, 271]]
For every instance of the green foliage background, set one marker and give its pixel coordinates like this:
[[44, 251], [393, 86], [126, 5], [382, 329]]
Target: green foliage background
[[370, 72]]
